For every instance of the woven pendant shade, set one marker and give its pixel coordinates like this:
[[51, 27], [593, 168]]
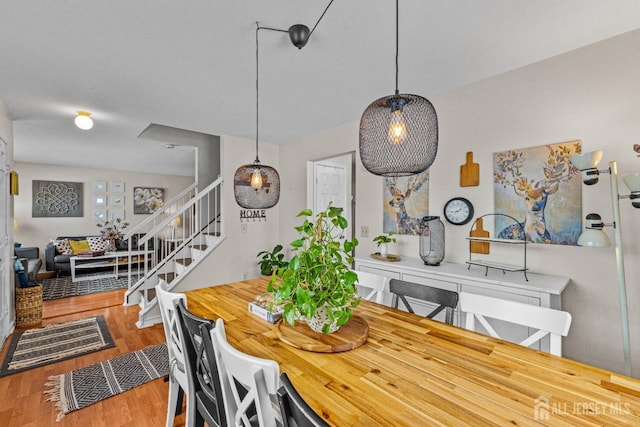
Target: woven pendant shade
[[415, 152], [264, 197], [398, 133]]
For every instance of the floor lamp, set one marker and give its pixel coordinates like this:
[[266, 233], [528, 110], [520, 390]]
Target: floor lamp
[[593, 235]]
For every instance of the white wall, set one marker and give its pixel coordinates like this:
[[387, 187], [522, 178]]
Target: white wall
[[591, 94], [38, 231], [236, 258]]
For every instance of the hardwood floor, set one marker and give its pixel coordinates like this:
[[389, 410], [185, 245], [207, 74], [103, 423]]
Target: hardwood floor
[[22, 402]]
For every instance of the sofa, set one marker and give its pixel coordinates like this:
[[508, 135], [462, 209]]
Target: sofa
[[61, 263]]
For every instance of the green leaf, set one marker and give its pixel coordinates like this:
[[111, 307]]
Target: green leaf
[[342, 222], [294, 264], [306, 212]]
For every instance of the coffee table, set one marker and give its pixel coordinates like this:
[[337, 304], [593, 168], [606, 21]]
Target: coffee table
[[111, 260]]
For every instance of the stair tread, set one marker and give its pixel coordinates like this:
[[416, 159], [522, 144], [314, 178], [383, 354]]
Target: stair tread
[[167, 277], [199, 247], [213, 233], [184, 261]]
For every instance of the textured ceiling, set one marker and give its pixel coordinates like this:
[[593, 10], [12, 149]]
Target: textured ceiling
[[191, 65]]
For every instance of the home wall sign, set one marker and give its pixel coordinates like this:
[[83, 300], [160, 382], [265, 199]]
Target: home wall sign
[[254, 214], [54, 199]]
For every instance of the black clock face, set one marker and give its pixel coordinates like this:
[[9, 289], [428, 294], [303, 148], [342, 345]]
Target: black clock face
[[458, 211]]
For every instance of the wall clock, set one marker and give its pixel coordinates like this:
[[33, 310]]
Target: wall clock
[[458, 211]]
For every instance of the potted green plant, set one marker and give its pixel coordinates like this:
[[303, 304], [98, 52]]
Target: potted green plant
[[383, 241], [317, 283], [271, 261]]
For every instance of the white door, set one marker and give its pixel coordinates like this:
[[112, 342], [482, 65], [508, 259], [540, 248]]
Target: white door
[[5, 252], [331, 186]]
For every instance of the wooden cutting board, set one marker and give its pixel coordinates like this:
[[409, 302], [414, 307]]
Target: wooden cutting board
[[469, 172], [479, 247]]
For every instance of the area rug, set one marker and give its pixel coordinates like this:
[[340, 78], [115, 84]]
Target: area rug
[[53, 343], [63, 287], [85, 386]]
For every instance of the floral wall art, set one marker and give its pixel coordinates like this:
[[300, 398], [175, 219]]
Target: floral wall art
[[147, 200], [55, 199], [405, 202], [540, 188]]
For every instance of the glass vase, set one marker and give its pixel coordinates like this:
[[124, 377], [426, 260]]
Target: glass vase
[[432, 240]]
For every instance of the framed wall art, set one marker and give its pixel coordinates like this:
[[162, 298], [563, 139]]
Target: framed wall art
[[99, 186], [99, 215], [117, 214], [116, 187], [405, 202], [540, 189], [55, 199], [117, 199], [147, 200], [99, 200]]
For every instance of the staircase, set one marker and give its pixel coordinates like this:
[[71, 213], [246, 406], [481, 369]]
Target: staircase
[[171, 243]]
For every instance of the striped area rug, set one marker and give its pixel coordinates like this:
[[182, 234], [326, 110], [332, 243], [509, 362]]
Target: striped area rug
[[85, 386], [53, 343], [63, 287]]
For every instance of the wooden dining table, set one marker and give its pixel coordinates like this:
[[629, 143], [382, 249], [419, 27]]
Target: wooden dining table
[[413, 371]]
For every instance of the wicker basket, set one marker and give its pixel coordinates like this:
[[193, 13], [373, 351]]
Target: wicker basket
[[28, 306]]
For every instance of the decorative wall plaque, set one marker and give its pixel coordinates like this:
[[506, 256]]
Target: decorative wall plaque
[[54, 199]]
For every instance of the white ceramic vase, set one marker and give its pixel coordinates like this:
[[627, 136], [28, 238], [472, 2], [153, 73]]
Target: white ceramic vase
[[319, 319]]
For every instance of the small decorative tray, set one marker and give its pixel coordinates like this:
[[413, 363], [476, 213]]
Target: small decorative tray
[[389, 257]]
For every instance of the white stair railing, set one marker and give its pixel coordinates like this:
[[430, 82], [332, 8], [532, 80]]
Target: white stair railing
[[172, 244]]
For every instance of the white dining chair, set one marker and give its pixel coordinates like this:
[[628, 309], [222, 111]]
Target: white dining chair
[[374, 285], [547, 321], [178, 376], [246, 380]]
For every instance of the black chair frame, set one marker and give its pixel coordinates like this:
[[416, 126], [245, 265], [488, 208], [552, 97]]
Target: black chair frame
[[295, 411], [446, 300], [201, 363]]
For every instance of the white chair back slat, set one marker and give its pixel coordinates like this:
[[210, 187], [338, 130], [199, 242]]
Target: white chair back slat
[[376, 283], [547, 321], [260, 378], [168, 301]]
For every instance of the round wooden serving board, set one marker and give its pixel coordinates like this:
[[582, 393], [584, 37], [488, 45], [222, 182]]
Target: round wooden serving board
[[350, 335], [389, 257]]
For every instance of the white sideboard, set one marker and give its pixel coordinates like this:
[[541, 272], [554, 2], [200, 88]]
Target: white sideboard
[[541, 290]]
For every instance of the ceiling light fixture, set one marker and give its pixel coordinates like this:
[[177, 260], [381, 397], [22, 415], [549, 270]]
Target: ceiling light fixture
[[398, 133], [83, 120], [257, 186]]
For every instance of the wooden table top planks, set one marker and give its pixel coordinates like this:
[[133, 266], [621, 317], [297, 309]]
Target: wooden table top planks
[[414, 371]]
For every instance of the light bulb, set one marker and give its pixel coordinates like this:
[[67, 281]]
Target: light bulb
[[256, 179], [397, 133], [83, 121]]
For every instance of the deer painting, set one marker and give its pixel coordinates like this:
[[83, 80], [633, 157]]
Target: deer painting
[[401, 193], [533, 183]]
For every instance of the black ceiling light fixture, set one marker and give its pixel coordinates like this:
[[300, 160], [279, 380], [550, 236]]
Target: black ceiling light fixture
[[257, 186], [398, 133]]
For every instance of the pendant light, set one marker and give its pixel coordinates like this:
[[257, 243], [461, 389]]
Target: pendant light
[[398, 133], [256, 186]]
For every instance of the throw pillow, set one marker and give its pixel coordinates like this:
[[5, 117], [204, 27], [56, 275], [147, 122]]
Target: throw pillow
[[79, 246], [62, 247], [97, 244]]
